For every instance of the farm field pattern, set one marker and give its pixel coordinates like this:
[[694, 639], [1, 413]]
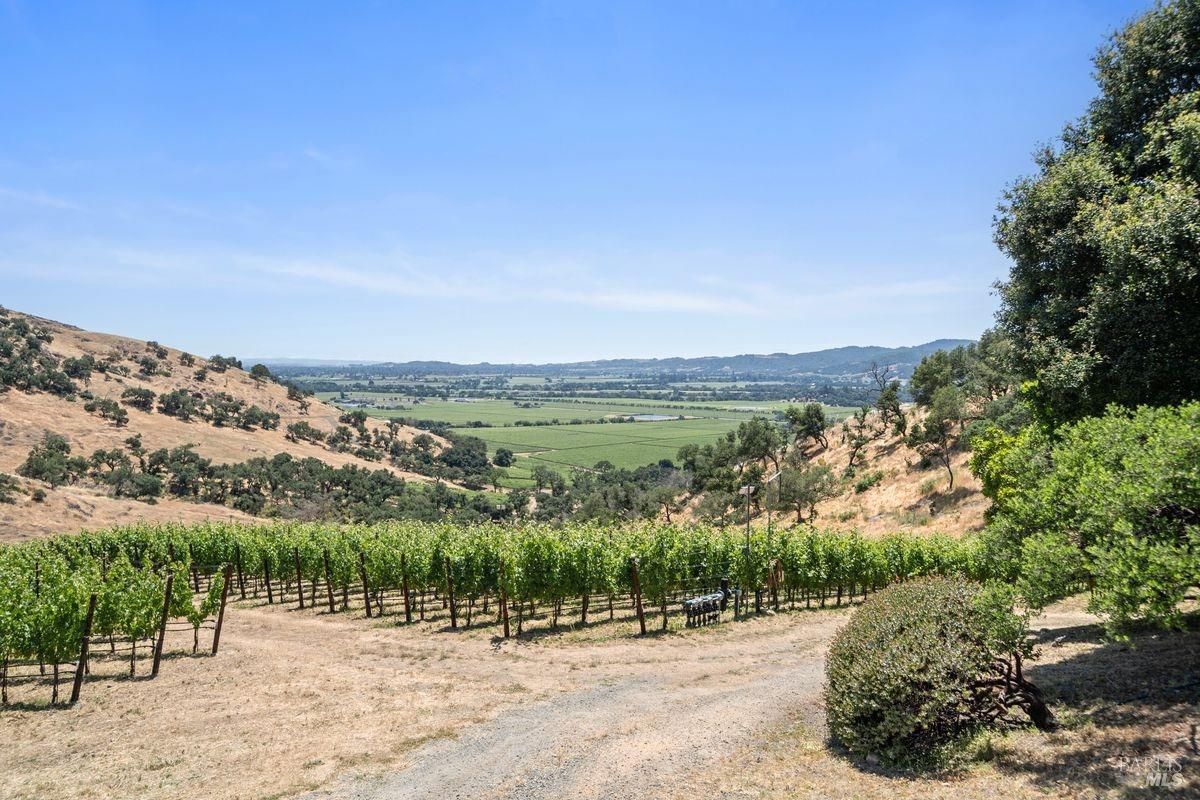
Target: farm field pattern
[[566, 446]]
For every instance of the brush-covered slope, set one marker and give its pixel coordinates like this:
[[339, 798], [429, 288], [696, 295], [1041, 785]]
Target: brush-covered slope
[[892, 491], [28, 413]]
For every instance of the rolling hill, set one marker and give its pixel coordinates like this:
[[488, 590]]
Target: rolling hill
[[835, 362], [31, 406]]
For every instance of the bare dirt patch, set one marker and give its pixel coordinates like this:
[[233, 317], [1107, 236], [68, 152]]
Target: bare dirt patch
[[298, 701], [295, 699]]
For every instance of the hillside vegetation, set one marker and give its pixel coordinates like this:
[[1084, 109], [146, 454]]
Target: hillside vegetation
[[896, 489], [50, 389]]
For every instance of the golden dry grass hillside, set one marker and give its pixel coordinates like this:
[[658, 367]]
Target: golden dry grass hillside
[[906, 497], [26, 417], [903, 494]]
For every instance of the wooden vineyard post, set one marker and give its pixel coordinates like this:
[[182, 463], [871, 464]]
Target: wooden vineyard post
[[195, 574], [162, 625], [328, 582], [299, 578], [637, 594], [503, 601], [776, 571], [450, 592], [221, 612], [37, 591], [404, 588], [267, 575], [237, 554], [81, 664], [362, 573]]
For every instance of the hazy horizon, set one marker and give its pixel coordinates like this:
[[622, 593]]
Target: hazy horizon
[[301, 360]]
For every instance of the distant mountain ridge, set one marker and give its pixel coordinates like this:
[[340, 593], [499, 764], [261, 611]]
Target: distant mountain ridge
[[838, 361]]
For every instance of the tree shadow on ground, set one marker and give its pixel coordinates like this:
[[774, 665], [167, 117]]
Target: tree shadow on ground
[[941, 500], [1129, 713]]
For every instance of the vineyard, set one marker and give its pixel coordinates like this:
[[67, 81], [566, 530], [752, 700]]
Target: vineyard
[[58, 596]]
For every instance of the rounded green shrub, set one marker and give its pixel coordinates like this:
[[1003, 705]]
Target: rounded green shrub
[[924, 665]]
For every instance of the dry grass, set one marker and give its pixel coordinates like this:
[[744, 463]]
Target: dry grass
[[1122, 708], [298, 700], [902, 500], [907, 498], [26, 418]]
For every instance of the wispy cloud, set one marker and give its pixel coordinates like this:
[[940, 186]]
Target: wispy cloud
[[326, 159], [37, 198], [412, 282], [550, 279]]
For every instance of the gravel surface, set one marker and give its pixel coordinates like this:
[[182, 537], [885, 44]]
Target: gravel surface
[[624, 736]]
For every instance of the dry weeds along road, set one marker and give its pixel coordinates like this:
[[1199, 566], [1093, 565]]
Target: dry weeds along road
[[343, 707], [654, 710]]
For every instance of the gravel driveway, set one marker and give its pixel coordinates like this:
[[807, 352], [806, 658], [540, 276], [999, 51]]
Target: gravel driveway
[[629, 735]]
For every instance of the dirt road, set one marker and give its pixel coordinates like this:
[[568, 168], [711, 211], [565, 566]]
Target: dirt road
[[343, 707], [629, 733]]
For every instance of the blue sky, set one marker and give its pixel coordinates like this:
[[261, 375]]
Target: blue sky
[[524, 181]]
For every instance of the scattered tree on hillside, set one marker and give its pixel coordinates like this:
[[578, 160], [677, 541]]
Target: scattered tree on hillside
[[807, 422], [759, 439], [857, 432], [356, 419], [802, 485], [260, 373], [219, 363], [79, 368], [341, 438], [51, 461], [933, 437], [178, 403], [8, 488], [141, 399], [148, 366], [25, 362], [108, 409]]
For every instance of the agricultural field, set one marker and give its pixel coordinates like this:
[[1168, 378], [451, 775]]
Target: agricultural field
[[570, 444], [627, 445], [497, 412]]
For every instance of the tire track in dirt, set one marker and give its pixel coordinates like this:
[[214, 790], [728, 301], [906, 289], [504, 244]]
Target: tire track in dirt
[[629, 736]]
